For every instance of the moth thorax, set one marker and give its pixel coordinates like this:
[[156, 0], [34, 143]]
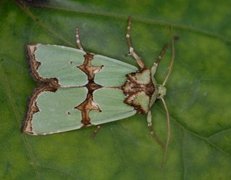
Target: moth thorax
[[139, 89]]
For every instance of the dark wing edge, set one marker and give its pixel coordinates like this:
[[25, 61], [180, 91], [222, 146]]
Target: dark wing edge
[[33, 108], [49, 84], [34, 65]]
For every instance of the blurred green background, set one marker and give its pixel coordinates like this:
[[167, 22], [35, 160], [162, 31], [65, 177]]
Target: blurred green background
[[198, 96]]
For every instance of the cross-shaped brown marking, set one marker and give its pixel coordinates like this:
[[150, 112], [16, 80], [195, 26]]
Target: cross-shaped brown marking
[[85, 107], [88, 104], [87, 68]]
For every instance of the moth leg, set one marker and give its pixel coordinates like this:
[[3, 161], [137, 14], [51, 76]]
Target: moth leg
[[96, 131], [161, 56], [162, 53], [130, 47], [152, 131], [158, 59], [78, 42]]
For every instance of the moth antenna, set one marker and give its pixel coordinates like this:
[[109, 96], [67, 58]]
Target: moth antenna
[[168, 131], [171, 60], [132, 51], [78, 42]]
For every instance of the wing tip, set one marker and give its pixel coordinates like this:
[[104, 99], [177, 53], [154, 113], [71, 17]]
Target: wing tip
[[27, 127]]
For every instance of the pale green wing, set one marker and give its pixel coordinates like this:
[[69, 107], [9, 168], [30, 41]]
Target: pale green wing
[[56, 112], [113, 72], [52, 112], [58, 62], [61, 62], [110, 101]]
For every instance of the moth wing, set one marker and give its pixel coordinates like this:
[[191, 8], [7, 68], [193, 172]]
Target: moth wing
[[52, 61], [54, 112], [111, 103], [113, 72]]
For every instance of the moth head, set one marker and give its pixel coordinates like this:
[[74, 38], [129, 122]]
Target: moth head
[[161, 91]]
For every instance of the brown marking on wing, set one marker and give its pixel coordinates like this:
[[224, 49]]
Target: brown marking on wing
[[85, 107], [51, 85], [87, 68], [88, 104]]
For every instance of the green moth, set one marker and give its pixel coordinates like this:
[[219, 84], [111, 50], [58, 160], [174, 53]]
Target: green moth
[[79, 88]]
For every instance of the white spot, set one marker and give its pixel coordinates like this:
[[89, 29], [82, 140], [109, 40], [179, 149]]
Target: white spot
[[159, 57], [44, 133], [78, 41], [129, 27], [131, 49], [127, 35]]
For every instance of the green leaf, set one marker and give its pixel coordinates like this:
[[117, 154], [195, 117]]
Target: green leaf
[[198, 96]]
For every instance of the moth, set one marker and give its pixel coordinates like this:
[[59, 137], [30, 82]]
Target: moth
[[78, 88]]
